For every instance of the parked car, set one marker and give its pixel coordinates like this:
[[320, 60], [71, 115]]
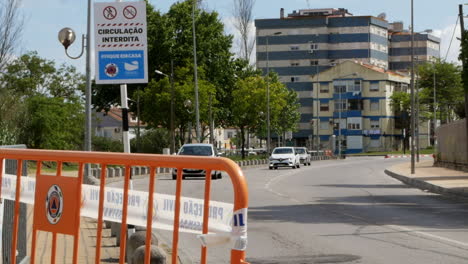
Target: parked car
[[196, 150], [304, 155], [284, 157]]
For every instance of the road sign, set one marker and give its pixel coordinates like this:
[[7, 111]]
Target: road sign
[[120, 42]]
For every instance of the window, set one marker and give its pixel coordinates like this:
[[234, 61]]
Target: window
[[374, 124], [313, 62], [294, 47], [374, 87], [294, 79], [324, 107], [294, 63], [354, 123], [354, 86], [374, 106], [324, 88], [339, 86], [342, 123], [313, 47], [340, 105], [324, 125], [355, 104], [230, 134]]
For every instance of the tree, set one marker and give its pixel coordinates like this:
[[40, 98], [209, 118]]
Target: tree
[[47, 109], [11, 27], [287, 115], [248, 103], [400, 102], [152, 141], [53, 123], [242, 12], [449, 90]]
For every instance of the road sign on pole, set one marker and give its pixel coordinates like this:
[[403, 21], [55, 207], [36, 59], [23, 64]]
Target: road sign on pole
[[120, 42]]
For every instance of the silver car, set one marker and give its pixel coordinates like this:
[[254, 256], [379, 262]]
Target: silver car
[[304, 155]]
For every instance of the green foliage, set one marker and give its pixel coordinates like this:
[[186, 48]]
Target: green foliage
[[449, 89], [41, 104], [401, 105], [107, 144], [152, 141], [53, 123]]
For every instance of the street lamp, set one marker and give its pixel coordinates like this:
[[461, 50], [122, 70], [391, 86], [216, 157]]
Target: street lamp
[[172, 104], [195, 70], [67, 37], [412, 91], [268, 92]]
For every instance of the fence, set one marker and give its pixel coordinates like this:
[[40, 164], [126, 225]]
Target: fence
[[451, 145], [63, 201], [8, 216]]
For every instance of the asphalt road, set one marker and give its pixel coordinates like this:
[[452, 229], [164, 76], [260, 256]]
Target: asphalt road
[[345, 211]]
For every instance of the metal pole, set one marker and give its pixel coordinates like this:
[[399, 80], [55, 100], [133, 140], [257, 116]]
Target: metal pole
[[417, 119], [138, 122], [88, 82], [172, 108], [412, 92], [463, 54], [435, 108], [195, 70], [317, 108], [268, 98], [339, 125]]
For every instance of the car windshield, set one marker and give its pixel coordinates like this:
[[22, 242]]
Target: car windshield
[[300, 151], [196, 150], [283, 151]]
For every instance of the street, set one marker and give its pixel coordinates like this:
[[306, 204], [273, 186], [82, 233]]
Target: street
[[345, 211]]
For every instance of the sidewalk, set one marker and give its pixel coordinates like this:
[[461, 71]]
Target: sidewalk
[[434, 179]]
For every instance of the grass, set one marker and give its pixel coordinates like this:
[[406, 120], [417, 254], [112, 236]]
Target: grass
[[51, 167]]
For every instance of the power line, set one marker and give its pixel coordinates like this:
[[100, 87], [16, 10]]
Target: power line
[[451, 39]]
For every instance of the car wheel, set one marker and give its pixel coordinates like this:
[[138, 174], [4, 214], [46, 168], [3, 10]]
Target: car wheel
[[293, 166], [276, 168], [309, 163], [270, 168], [174, 177], [220, 175], [298, 165], [213, 176]]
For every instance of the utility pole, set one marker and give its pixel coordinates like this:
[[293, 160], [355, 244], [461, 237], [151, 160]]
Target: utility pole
[[413, 119], [195, 70], [464, 70]]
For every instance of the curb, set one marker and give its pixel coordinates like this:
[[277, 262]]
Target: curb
[[425, 186]]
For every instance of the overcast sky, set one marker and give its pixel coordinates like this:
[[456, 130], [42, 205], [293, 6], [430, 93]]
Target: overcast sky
[[46, 17]]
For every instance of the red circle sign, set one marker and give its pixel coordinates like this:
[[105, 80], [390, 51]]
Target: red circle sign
[[109, 12], [129, 12]]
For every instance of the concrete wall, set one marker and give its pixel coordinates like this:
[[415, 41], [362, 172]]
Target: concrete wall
[[451, 145]]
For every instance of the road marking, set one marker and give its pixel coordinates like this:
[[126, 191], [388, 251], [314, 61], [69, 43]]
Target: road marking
[[407, 231]]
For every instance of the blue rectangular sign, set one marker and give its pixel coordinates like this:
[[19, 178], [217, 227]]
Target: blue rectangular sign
[[123, 65]]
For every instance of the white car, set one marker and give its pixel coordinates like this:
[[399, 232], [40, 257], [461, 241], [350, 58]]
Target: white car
[[196, 150], [284, 157], [304, 155]]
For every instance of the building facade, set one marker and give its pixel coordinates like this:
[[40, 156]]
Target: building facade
[[351, 104], [300, 46]]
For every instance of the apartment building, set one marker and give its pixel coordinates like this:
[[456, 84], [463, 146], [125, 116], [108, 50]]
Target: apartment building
[[305, 43], [351, 103]]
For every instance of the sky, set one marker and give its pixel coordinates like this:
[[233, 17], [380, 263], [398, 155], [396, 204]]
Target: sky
[[45, 18]]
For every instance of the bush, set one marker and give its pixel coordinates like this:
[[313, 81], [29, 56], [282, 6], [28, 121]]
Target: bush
[[107, 144], [152, 141]]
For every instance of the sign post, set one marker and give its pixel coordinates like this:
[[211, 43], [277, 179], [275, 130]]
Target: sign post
[[121, 50]]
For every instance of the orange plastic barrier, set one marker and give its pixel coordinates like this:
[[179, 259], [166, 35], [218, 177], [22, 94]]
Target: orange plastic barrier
[[61, 190]]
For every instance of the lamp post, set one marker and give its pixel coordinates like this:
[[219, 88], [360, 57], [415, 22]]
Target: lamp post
[[67, 37], [268, 93], [172, 104], [195, 71], [412, 92]]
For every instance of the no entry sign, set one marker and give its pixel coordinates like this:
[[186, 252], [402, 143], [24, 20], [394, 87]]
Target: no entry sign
[[120, 42]]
